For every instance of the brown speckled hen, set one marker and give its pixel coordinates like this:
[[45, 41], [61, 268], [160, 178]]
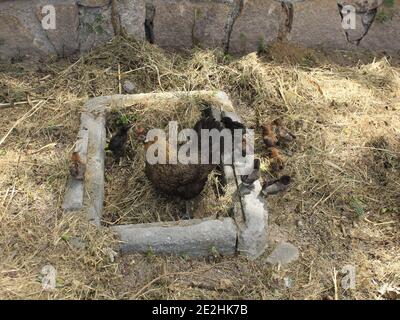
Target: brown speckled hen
[[183, 180]]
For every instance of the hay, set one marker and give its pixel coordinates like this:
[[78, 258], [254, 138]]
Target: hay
[[343, 207]]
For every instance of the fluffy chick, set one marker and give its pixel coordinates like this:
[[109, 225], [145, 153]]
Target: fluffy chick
[[276, 186], [77, 168], [282, 133], [276, 159], [118, 141], [232, 125], [269, 136]]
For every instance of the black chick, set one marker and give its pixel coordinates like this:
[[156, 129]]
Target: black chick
[[276, 186], [118, 141]]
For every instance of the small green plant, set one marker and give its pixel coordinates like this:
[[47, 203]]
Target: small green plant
[[214, 253], [96, 26], [123, 120], [66, 237], [358, 206], [382, 16], [150, 253], [262, 47], [388, 3], [386, 12]]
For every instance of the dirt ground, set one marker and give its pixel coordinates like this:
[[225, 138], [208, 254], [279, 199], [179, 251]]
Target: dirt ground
[[342, 209]]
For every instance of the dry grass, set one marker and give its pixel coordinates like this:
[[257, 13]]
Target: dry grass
[[343, 207]]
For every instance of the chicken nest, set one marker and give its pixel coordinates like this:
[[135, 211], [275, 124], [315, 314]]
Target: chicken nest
[[129, 195]]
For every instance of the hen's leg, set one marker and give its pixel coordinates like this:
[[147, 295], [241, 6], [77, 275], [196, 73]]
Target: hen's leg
[[186, 215]]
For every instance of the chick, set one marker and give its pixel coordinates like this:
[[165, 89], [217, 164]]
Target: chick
[[276, 159], [232, 125], [77, 168], [282, 133], [276, 186], [118, 141], [140, 133], [269, 136]]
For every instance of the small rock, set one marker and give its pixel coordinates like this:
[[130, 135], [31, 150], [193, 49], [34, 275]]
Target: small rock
[[283, 254], [300, 223], [129, 87], [288, 282], [111, 254], [225, 284], [77, 243]]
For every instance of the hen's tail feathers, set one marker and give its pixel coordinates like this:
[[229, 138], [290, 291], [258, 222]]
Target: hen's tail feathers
[[208, 123]]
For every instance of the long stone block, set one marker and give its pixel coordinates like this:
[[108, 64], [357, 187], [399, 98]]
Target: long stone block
[[252, 240], [94, 178], [192, 237]]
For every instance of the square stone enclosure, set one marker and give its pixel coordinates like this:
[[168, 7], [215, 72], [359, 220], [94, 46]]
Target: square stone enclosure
[[244, 233]]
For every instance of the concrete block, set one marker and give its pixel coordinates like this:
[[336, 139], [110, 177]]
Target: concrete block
[[191, 237], [252, 240]]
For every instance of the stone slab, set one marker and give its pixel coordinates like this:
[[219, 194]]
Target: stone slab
[[95, 27], [74, 195], [256, 26], [21, 34], [193, 237], [252, 240], [186, 24], [64, 37], [93, 3], [132, 15], [283, 254]]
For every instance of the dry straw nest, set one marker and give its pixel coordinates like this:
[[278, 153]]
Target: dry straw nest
[[130, 196]]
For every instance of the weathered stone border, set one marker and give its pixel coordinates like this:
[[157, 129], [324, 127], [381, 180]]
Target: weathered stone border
[[245, 233], [236, 26]]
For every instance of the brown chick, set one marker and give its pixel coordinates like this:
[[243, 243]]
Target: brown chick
[[269, 136], [182, 180], [276, 159], [77, 168], [282, 133], [140, 133]]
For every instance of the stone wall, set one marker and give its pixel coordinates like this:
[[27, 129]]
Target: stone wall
[[237, 26]]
